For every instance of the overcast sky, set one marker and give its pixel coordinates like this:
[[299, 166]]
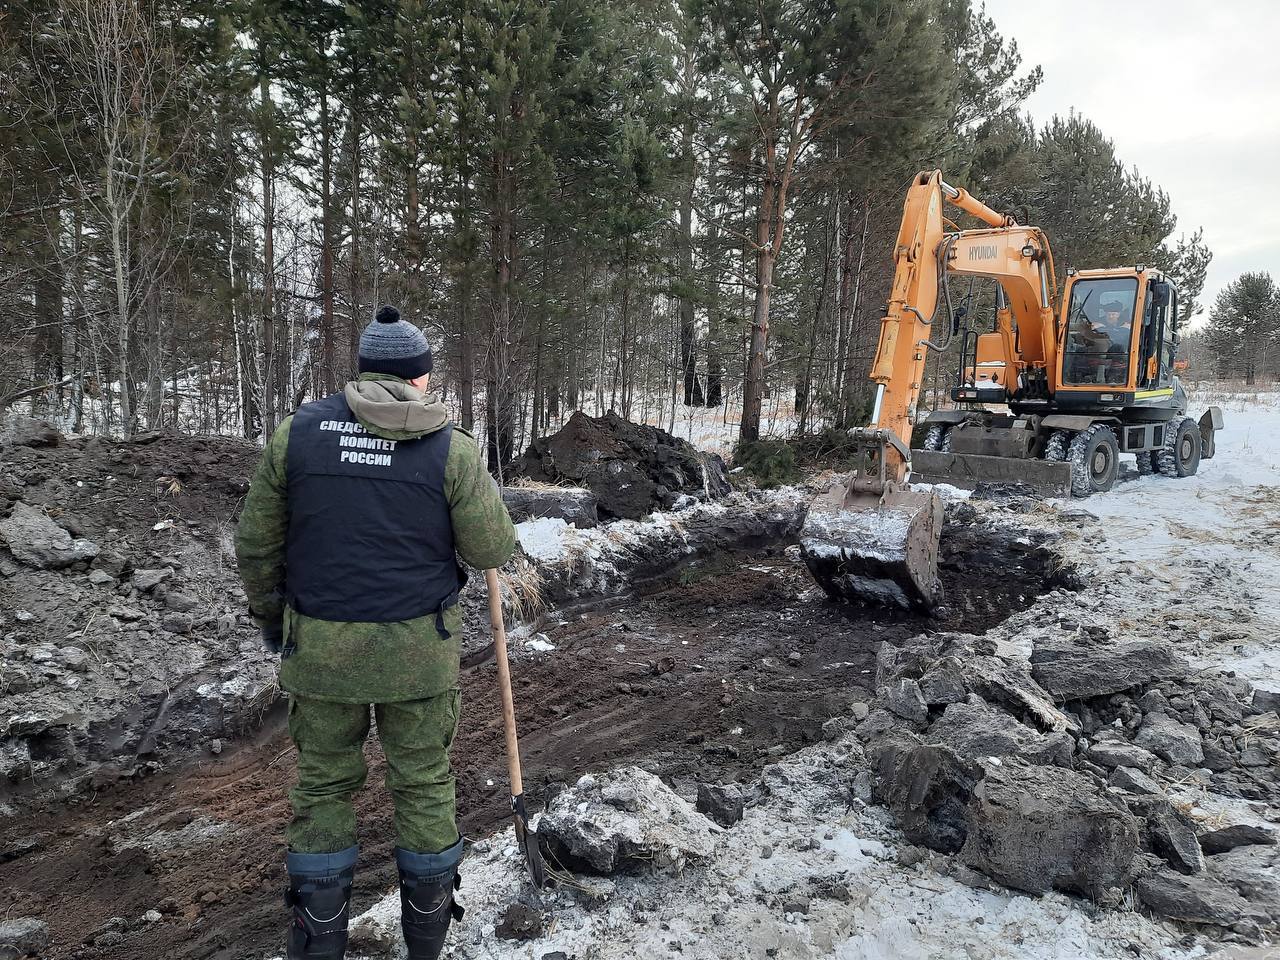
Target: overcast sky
[[1190, 94]]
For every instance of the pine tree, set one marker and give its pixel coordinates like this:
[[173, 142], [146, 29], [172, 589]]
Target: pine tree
[[1243, 334]]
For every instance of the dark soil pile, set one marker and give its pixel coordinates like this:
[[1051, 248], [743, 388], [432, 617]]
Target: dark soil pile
[[632, 469], [138, 650]]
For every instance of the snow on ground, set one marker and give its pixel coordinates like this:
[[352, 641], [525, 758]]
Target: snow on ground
[[1212, 541], [808, 873]]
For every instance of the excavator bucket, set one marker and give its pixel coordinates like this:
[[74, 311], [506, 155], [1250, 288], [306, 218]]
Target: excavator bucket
[[881, 548]]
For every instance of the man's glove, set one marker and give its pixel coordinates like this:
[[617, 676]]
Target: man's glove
[[273, 637]]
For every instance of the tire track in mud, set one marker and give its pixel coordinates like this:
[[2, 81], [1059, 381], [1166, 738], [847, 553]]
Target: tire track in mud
[[728, 665]]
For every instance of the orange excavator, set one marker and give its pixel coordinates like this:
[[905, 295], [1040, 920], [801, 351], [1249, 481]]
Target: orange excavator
[[1046, 400]]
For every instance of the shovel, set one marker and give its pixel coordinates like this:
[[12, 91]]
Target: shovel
[[525, 834]]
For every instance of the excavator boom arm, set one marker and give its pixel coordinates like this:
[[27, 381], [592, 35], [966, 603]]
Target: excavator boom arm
[[1018, 257], [872, 538]]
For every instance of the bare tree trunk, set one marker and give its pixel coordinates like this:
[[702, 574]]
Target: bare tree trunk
[[854, 378], [328, 325], [500, 382], [688, 355], [354, 322], [805, 388], [270, 362]]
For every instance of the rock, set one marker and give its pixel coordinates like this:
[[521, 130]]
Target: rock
[[1178, 743], [1112, 754], [1254, 873], [1218, 700], [520, 921], [37, 541], [908, 855], [978, 731], [17, 430], [904, 698], [174, 622], [723, 804], [1071, 672], [1199, 899], [1266, 701], [1134, 781], [1257, 754], [1044, 828], [583, 832], [181, 602], [23, 936], [631, 468], [100, 578], [1173, 837], [147, 580], [1216, 758], [796, 903], [1236, 835], [153, 916], [944, 683], [111, 561], [927, 788], [73, 658], [574, 505]]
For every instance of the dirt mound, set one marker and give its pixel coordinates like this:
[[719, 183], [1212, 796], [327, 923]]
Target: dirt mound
[[632, 469], [122, 622]]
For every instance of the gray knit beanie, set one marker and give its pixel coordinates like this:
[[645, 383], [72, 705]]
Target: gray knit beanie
[[394, 346]]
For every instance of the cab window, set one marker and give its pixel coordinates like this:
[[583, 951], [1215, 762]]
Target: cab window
[[1099, 332]]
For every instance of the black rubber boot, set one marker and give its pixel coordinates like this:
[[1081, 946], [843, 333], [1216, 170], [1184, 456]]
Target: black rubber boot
[[319, 898], [427, 882]]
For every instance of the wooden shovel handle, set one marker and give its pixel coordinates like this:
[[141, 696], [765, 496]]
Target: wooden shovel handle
[[504, 682]]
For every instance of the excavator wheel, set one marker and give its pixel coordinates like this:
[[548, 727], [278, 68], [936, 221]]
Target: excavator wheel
[[1095, 460], [1181, 454], [947, 434], [1056, 448], [1147, 464], [933, 437]]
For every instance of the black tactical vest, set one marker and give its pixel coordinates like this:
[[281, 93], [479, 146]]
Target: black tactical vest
[[370, 539]]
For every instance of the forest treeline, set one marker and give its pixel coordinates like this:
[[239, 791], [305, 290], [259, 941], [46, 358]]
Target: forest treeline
[[634, 206]]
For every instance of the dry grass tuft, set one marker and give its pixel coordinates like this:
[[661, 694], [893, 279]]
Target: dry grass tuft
[[521, 586]]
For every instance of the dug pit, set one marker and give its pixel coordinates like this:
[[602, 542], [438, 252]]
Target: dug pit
[[705, 674]]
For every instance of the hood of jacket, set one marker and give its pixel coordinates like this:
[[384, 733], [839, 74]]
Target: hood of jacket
[[393, 408]]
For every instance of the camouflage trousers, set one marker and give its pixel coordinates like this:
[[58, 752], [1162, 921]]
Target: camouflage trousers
[[415, 736]]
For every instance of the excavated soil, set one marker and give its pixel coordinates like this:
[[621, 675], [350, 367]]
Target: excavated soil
[[728, 664]]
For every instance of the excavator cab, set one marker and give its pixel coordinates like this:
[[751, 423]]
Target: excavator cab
[[1117, 338]]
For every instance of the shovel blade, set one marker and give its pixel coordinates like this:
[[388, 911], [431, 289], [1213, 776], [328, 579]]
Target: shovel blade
[[527, 838]]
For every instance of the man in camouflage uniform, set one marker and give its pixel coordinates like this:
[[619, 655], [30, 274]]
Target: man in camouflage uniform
[[348, 548]]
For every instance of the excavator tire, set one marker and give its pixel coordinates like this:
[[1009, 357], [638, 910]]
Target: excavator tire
[[933, 437], [946, 439], [1147, 465], [1181, 454], [1056, 448], [1095, 460]]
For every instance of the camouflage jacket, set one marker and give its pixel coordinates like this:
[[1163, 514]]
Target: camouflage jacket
[[370, 662]]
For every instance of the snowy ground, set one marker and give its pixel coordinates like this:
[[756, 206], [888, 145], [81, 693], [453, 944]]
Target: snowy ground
[[1209, 545], [812, 872], [807, 874]]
